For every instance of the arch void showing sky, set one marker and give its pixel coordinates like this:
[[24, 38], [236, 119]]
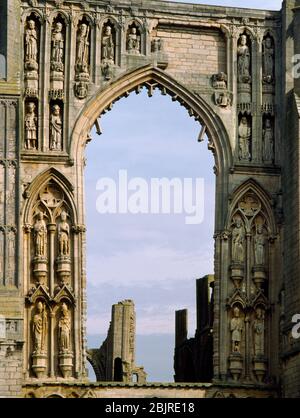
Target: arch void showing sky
[[152, 259]]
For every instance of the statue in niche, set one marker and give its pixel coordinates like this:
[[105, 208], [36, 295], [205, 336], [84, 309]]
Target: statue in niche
[[40, 236], [31, 48], [82, 60], [30, 127], [55, 128], [268, 60], [39, 329], [259, 331], [238, 238], [236, 328], [259, 245], [64, 329], [63, 235], [244, 139], [133, 41], [57, 48], [268, 141], [157, 45], [243, 60], [108, 46]]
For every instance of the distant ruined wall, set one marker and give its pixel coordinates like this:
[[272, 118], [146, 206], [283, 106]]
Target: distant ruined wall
[[114, 361]]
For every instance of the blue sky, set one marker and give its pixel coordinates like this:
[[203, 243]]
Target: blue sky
[[152, 259]]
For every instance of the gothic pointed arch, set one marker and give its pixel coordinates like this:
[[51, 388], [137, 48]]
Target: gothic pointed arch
[[251, 189], [152, 78], [50, 176]]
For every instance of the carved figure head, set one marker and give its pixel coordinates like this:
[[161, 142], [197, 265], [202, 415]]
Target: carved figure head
[[31, 24]]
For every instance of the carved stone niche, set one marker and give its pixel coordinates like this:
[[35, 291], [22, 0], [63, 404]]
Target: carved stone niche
[[108, 50], [65, 340], [82, 66], [236, 326], [31, 55], [58, 42], [258, 332], [244, 68], [237, 250], [40, 245], [133, 39], [63, 260], [260, 252], [39, 327]]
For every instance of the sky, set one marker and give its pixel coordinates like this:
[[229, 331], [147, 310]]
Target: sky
[[153, 259]]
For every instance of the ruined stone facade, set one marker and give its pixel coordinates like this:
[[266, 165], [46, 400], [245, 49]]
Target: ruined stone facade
[[114, 361], [62, 65]]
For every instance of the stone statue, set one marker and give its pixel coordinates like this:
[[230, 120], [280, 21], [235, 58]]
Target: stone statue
[[55, 128], [82, 60], [30, 127], [259, 245], [39, 329], [268, 60], [157, 45], [243, 60], [258, 332], [238, 238], [133, 41], [64, 329], [40, 236], [108, 46], [268, 142], [57, 48], [63, 235], [244, 139], [236, 328], [31, 47]]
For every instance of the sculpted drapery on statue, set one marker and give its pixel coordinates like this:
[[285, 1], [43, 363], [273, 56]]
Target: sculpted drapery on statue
[[244, 60], [244, 139], [40, 236], [133, 41], [57, 48], [64, 236], [268, 60], [55, 128], [259, 245], [39, 329], [236, 328], [30, 126], [108, 46], [82, 60], [64, 326], [259, 331], [31, 47], [268, 142], [238, 238]]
